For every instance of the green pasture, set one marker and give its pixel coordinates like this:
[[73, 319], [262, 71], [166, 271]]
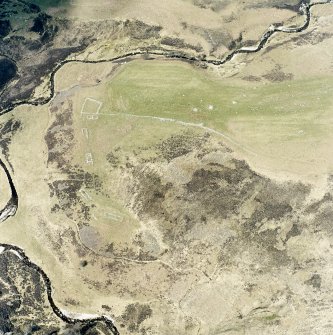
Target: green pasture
[[179, 91]]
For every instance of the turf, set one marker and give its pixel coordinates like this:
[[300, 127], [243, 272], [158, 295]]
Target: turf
[[179, 91]]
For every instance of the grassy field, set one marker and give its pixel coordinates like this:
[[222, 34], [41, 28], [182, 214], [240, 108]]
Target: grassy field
[[279, 127], [286, 125], [175, 90]]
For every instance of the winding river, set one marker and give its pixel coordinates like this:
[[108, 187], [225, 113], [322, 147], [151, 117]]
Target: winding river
[[273, 29], [26, 261], [12, 204]]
